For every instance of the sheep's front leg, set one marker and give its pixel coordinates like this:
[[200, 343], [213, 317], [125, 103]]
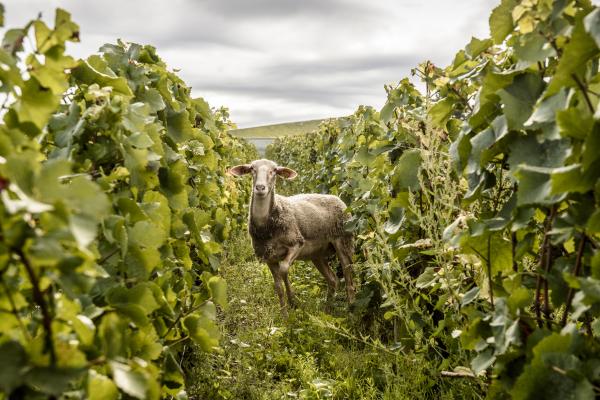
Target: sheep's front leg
[[284, 267], [278, 281]]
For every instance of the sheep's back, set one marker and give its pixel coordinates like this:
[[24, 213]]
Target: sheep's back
[[319, 216]]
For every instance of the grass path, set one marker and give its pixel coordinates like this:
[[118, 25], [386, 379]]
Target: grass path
[[311, 355]]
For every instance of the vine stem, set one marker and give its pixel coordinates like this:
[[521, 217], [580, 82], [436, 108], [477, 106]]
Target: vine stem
[[584, 91], [180, 316], [108, 255], [576, 269], [15, 311], [489, 268], [513, 242], [38, 297], [544, 253]]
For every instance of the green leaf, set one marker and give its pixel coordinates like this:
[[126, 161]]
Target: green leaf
[[364, 156], [146, 344], [179, 127], [137, 302], [591, 149], [218, 290], [84, 197], [520, 97], [95, 70], [64, 28], [52, 380], [577, 52], [441, 111], [470, 296], [12, 366], [546, 109], [592, 25], [533, 48], [140, 140], [85, 329], [483, 361], [527, 150], [541, 379], [535, 186], [519, 299], [146, 234], [387, 112], [573, 179], [574, 123], [131, 382], [541, 382], [406, 170], [501, 21], [100, 387], [593, 223], [153, 99], [483, 145], [201, 327], [477, 46], [51, 75], [396, 218], [84, 229], [492, 246], [36, 104]]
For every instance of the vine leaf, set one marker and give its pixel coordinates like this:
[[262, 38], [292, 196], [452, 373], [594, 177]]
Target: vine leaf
[[576, 54], [501, 21]]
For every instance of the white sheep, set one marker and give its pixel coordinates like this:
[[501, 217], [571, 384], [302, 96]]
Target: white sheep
[[303, 227]]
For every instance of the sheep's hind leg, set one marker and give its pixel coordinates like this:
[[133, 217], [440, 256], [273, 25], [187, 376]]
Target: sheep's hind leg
[[332, 282], [343, 248], [289, 291], [278, 283]]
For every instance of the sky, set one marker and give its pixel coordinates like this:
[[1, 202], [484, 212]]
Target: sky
[[273, 61]]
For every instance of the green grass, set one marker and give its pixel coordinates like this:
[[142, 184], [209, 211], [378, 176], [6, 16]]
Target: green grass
[[312, 354], [277, 130]]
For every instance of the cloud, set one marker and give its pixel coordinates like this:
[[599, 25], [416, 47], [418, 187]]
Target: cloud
[[279, 60], [268, 9], [363, 63]]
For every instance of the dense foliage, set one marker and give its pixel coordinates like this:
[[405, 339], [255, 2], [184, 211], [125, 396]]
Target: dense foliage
[[113, 205], [476, 204]]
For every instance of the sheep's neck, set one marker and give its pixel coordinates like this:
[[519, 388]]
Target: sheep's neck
[[261, 208]]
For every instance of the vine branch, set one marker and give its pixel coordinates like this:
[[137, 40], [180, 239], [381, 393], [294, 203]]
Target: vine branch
[[576, 269], [38, 297], [584, 91], [543, 264]]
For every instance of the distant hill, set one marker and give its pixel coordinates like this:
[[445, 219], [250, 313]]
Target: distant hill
[[277, 130]]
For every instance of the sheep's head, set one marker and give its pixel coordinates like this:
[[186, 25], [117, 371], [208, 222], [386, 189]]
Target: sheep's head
[[264, 173]]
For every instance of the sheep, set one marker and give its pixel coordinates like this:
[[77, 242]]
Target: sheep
[[301, 227]]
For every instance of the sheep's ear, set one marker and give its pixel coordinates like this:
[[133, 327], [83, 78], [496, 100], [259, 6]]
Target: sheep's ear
[[286, 173], [240, 170]]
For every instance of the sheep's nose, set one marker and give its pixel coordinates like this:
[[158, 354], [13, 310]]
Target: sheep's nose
[[260, 188]]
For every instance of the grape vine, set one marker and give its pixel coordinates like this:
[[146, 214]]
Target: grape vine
[[477, 203], [113, 207]]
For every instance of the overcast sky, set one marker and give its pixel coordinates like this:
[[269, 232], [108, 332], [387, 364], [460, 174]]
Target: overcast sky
[[274, 61]]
